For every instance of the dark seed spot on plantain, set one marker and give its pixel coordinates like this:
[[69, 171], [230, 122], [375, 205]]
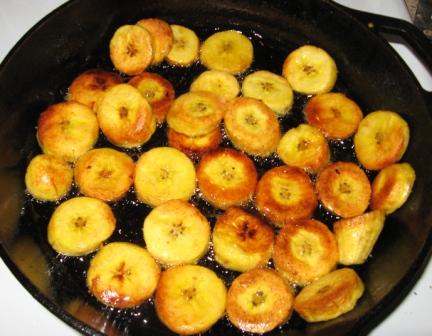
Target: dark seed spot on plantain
[[258, 298], [189, 293], [344, 188], [80, 222], [123, 112]]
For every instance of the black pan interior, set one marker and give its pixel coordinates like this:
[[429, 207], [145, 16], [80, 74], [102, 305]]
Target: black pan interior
[[73, 39]]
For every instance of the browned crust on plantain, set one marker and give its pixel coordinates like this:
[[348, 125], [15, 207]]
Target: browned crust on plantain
[[160, 104], [237, 194], [89, 87], [240, 126], [131, 49], [116, 294], [305, 147], [48, 178], [162, 37], [334, 114], [377, 148], [392, 187], [285, 178], [332, 300], [171, 313], [263, 321], [251, 233], [324, 246], [67, 130], [113, 177], [126, 124], [196, 113], [194, 147], [344, 189]]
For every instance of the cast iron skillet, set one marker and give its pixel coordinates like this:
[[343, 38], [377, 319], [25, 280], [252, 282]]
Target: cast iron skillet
[[75, 37]]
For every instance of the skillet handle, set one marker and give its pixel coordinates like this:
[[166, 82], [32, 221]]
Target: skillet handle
[[413, 36], [405, 30]]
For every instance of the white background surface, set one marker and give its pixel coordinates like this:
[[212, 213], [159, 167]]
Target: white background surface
[[23, 315]]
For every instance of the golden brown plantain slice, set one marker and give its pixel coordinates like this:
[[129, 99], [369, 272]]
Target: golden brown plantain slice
[[226, 177], [334, 114], [392, 187], [131, 49], [305, 147], [122, 275], [104, 173], [48, 178], [258, 301], [161, 37], [344, 189], [381, 139], [330, 296], [67, 130], [125, 117], [304, 251], [285, 193], [89, 87], [196, 113], [157, 90], [246, 120], [241, 240], [194, 147]]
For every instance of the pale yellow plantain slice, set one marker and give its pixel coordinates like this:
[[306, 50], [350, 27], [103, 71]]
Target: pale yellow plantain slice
[[185, 48], [356, 236], [228, 50], [330, 296], [218, 82], [272, 89], [310, 70], [175, 232], [162, 174], [190, 299], [80, 225]]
